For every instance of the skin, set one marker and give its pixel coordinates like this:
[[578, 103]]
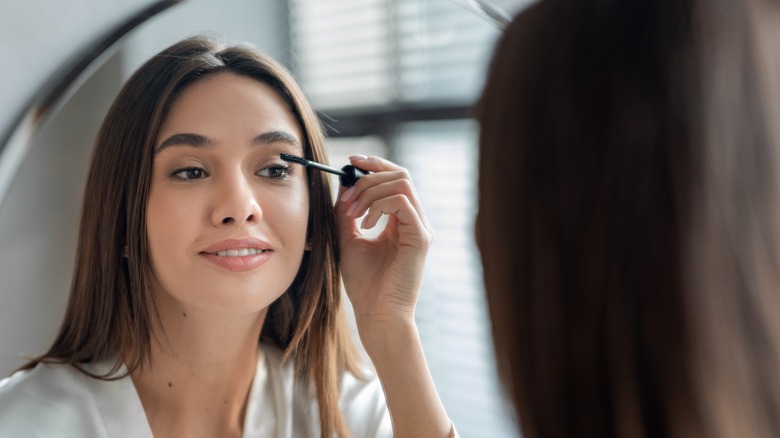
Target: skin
[[212, 317]]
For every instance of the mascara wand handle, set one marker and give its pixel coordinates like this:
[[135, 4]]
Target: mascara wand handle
[[351, 175]]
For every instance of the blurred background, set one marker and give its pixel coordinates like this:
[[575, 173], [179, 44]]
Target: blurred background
[[396, 78]]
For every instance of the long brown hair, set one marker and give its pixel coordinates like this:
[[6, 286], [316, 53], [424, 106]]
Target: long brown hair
[[111, 310], [628, 217]]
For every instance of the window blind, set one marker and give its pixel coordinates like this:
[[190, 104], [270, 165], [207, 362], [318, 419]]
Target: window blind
[[342, 51], [381, 52]]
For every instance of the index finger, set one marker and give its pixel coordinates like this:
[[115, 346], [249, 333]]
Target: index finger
[[379, 165]]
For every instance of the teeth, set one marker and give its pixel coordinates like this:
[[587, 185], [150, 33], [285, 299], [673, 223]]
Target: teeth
[[240, 252]]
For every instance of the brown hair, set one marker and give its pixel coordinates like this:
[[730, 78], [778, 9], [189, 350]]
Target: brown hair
[[628, 218], [111, 310]]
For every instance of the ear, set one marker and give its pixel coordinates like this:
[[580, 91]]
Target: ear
[[308, 244]]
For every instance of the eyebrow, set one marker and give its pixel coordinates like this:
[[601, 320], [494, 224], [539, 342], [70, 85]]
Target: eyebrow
[[198, 141], [277, 136]]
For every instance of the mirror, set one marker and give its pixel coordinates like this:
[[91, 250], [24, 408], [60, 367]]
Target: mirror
[[389, 78]]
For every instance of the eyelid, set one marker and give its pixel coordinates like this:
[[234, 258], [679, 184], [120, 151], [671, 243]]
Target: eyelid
[[174, 174]]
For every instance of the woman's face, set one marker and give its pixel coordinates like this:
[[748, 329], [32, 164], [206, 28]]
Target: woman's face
[[226, 218]]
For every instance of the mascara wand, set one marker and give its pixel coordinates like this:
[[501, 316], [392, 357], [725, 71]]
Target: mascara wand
[[348, 175]]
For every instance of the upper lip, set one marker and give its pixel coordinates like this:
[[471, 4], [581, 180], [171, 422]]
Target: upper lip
[[227, 244]]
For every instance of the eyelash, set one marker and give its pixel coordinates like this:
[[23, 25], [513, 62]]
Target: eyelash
[[186, 173], [177, 173], [284, 167]]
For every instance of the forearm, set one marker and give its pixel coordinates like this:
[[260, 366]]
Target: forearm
[[397, 354]]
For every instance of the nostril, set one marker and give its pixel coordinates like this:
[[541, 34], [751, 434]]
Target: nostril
[[227, 220], [250, 218]]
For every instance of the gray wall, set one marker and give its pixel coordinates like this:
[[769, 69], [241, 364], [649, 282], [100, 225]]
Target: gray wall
[[39, 40]]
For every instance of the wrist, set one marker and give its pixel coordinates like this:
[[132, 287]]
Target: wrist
[[387, 336]]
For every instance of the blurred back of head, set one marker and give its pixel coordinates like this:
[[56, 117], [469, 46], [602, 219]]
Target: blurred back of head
[[629, 217]]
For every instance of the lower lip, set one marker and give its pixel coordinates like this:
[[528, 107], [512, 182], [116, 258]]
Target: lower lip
[[238, 264]]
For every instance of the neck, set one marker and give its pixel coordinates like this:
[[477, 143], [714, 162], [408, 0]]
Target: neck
[[201, 372]]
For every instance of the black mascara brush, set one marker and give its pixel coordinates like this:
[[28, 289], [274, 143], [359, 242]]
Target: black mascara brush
[[348, 175]]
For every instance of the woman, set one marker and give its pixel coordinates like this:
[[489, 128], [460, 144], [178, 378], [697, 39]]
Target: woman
[[628, 217], [197, 241]]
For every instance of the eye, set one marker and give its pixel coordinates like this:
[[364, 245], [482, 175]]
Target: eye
[[276, 171], [189, 173]]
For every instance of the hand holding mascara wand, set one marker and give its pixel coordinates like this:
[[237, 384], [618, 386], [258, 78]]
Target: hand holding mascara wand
[[382, 276], [348, 175]]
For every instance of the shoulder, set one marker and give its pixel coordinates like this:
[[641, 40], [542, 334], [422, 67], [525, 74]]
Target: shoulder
[[363, 403], [363, 390], [361, 398], [60, 400], [43, 401]]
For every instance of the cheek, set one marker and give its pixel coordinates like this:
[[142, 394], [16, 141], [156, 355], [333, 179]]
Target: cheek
[[300, 207], [156, 233], [291, 213], [166, 221]]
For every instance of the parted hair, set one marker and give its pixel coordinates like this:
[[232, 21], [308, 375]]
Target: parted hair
[[111, 312], [629, 217]]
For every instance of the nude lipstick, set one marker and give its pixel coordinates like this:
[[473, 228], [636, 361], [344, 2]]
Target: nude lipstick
[[238, 255], [348, 175]]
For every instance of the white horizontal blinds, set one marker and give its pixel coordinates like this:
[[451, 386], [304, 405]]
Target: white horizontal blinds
[[342, 51], [451, 313], [368, 53], [443, 51]]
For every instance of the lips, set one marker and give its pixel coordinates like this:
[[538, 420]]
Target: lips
[[238, 254], [237, 247]]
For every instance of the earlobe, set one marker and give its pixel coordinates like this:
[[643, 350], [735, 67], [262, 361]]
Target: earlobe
[[308, 245]]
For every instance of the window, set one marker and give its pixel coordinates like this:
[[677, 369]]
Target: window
[[398, 78]]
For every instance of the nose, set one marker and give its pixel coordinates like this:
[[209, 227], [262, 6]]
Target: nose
[[236, 203]]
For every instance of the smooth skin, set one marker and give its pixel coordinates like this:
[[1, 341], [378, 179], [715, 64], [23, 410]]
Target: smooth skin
[[235, 186]]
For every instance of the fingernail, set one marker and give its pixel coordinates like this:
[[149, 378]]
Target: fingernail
[[351, 209], [358, 157], [346, 196]]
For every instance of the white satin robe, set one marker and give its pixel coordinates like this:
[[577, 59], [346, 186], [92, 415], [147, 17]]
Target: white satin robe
[[59, 401]]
